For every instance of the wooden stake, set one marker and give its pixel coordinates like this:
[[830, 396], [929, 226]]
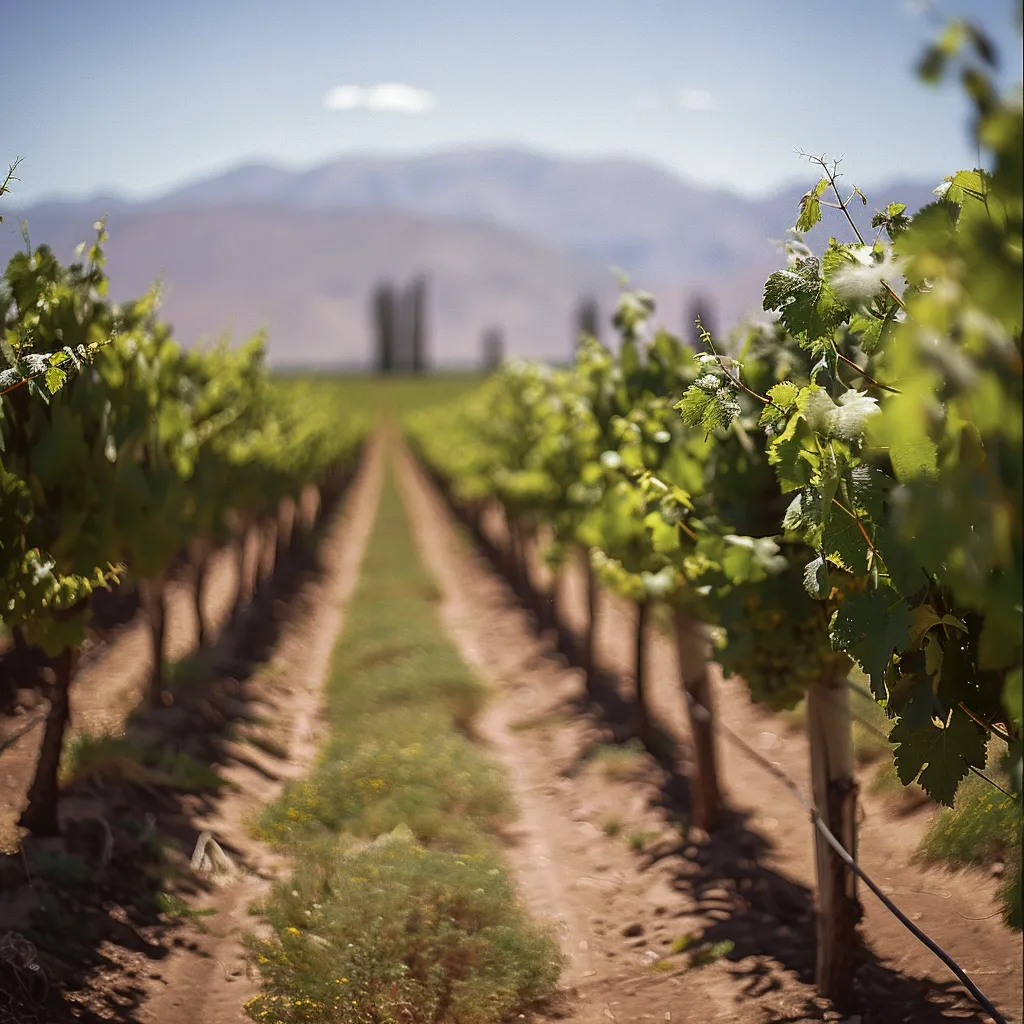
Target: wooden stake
[[694, 650], [834, 788]]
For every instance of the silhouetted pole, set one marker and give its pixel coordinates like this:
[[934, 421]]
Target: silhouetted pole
[[493, 344], [385, 325], [416, 324], [588, 320], [699, 309]]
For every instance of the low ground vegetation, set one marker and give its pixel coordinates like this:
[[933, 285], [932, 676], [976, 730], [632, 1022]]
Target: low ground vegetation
[[398, 907]]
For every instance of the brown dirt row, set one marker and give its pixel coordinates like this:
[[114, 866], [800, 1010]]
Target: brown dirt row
[[103, 945], [618, 911], [205, 980], [956, 908]]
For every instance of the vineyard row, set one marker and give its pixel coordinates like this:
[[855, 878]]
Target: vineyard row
[[836, 490]]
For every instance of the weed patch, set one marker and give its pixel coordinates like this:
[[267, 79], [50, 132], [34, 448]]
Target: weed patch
[[617, 762], [638, 840], [982, 827]]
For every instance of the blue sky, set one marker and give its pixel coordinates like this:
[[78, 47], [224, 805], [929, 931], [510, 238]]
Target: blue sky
[[133, 97]]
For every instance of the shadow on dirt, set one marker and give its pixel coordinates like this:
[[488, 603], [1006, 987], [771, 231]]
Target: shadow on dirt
[[87, 916], [760, 920]]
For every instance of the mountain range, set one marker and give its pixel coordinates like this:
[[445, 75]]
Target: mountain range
[[506, 237]]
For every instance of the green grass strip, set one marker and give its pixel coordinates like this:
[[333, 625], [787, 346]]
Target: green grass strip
[[982, 826], [399, 908]]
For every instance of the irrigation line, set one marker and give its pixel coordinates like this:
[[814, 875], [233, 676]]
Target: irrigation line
[[703, 713], [852, 864]]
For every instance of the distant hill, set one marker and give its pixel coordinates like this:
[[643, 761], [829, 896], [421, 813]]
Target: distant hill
[[622, 212], [508, 236], [307, 276]]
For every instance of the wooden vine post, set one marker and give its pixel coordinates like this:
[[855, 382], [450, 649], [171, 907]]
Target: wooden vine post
[[693, 647], [40, 814], [834, 789]]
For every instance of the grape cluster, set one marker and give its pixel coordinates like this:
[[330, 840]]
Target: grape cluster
[[779, 648]]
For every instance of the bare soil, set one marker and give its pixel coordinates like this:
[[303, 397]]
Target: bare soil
[[602, 848], [106, 951], [206, 980], [620, 900]]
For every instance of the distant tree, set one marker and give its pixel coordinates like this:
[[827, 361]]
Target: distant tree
[[493, 345], [416, 324], [400, 323], [588, 319], [385, 319], [699, 309]]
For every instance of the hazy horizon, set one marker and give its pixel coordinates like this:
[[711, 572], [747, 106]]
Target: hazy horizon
[[258, 161]]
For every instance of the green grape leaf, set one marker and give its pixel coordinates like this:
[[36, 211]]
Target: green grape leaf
[[938, 758], [810, 206], [664, 536], [893, 218], [846, 420], [911, 694], [964, 185], [869, 626], [803, 517], [817, 408], [784, 395], [794, 455], [55, 379], [751, 559], [796, 294], [843, 543], [799, 515], [851, 415], [900, 562], [913, 459], [882, 217], [933, 656], [830, 473], [709, 408], [868, 488], [872, 332]]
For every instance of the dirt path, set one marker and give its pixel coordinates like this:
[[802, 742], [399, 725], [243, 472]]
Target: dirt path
[[617, 910], [612, 917], [112, 679], [957, 909], [204, 981]]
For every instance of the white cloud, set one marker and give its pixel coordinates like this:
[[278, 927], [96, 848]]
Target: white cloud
[[392, 96], [698, 100], [344, 97]]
